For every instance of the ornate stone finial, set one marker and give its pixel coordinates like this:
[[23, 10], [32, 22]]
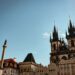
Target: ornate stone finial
[[50, 38], [55, 34], [54, 28], [70, 22]]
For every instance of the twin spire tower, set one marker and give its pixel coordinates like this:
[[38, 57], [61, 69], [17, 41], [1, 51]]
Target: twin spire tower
[[61, 50]]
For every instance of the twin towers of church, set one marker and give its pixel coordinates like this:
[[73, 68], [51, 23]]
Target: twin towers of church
[[59, 49]]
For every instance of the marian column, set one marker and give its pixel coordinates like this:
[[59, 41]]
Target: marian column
[[2, 58], [3, 52]]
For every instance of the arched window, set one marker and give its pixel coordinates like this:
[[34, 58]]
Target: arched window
[[64, 57], [72, 43], [54, 46], [46, 73]]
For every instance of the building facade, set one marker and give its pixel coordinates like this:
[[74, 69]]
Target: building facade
[[62, 58], [63, 54], [10, 67]]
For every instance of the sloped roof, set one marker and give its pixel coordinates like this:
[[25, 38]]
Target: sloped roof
[[10, 60], [29, 58]]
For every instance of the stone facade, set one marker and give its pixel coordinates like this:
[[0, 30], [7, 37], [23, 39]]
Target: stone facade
[[10, 67], [62, 54]]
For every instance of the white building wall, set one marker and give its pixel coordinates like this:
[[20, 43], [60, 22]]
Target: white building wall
[[52, 69], [10, 71], [1, 71], [67, 67]]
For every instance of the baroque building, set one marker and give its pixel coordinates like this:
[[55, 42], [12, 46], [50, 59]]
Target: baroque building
[[62, 58], [10, 67]]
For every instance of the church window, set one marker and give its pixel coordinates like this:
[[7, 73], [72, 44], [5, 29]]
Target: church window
[[11, 64], [61, 68], [61, 74], [72, 43], [4, 71], [24, 70], [54, 46], [21, 70], [46, 73], [27, 69], [64, 57], [6, 64]]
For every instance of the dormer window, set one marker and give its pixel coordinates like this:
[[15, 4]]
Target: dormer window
[[11, 64], [6, 64], [15, 65]]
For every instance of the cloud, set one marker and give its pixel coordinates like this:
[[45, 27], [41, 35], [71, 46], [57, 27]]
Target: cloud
[[62, 35], [46, 35]]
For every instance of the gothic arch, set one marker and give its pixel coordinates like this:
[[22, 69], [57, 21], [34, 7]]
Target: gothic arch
[[64, 57]]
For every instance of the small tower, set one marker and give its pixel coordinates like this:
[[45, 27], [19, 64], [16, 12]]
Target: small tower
[[71, 36], [55, 43], [3, 52], [55, 34]]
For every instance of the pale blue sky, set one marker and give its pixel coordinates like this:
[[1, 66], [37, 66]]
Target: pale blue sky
[[27, 25]]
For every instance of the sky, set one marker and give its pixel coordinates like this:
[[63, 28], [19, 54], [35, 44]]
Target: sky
[[27, 24]]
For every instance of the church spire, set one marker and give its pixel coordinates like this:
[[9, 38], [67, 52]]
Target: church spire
[[54, 28], [55, 34], [71, 30], [70, 23]]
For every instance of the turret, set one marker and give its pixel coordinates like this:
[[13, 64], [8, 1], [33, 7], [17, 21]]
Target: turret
[[54, 40], [71, 36], [55, 43], [55, 35], [71, 31]]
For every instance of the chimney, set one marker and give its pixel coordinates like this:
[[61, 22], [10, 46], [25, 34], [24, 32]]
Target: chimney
[[14, 59]]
